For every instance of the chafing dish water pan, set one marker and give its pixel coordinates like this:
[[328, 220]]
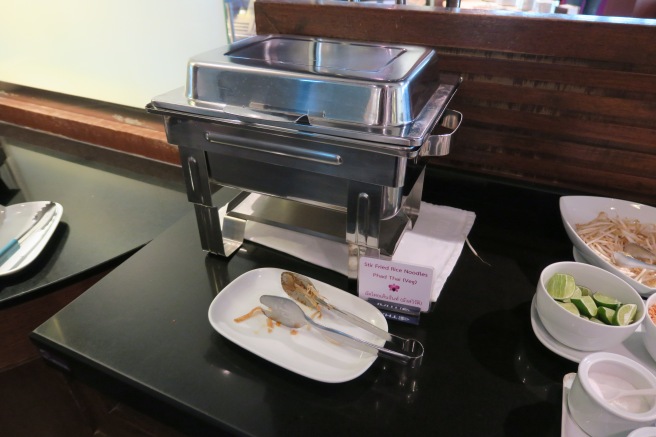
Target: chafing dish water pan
[[331, 136]]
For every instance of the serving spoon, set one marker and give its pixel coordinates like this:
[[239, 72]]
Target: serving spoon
[[612, 393], [288, 313]]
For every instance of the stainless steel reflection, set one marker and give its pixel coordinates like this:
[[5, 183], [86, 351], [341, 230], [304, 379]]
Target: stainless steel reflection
[[330, 136], [385, 85]]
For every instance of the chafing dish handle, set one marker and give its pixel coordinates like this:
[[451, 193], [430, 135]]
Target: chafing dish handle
[[279, 149], [439, 144]]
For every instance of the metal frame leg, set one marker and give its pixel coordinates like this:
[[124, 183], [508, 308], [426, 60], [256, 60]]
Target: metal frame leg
[[219, 233], [363, 216]]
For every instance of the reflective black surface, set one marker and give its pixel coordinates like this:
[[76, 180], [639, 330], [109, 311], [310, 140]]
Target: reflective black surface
[[106, 214], [484, 373]]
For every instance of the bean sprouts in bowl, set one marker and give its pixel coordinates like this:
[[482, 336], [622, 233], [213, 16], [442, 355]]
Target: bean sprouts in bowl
[[598, 226]]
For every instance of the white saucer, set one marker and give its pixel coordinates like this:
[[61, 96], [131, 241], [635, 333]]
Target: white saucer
[[632, 347], [647, 431], [578, 256], [568, 427]]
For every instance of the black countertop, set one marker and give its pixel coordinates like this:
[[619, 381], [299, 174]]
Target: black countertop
[[144, 327], [108, 211]]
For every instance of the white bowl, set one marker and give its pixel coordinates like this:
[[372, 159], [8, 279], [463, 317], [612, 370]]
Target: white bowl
[[592, 412], [582, 209], [649, 329], [577, 332]]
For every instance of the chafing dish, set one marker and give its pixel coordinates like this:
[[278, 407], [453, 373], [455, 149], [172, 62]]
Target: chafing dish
[[321, 136]]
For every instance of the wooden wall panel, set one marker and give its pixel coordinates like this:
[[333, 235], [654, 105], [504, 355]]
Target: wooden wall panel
[[591, 76], [479, 30], [555, 100], [124, 129]]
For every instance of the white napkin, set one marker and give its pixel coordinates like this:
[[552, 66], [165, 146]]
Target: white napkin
[[435, 241]]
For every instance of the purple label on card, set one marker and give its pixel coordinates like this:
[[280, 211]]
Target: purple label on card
[[399, 283]]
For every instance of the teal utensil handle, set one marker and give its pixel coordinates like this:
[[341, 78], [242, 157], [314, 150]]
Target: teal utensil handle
[[9, 249]]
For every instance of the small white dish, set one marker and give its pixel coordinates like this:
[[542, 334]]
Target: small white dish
[[306, 352], [649, 326], [632, 347], [647, 431], [568, 427], [588, 401], [582, 209], [17, 218]]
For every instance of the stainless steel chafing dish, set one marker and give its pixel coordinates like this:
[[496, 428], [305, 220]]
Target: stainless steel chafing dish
[[331, 135]]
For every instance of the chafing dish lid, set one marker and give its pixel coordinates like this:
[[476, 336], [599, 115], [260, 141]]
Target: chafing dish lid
[[387, 92]]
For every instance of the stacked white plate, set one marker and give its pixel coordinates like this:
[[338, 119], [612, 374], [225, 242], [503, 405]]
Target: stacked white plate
[[14, 221]]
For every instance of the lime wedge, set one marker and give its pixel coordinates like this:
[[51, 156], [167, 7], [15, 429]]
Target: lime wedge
[[586, 306], [596, 320], [606, 315], [585, 291], [570, 307], [606, 301], [561, 286], [576, 295], [625, 314]]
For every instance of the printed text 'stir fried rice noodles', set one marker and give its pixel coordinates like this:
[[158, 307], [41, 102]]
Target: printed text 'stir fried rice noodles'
[[606, 235]]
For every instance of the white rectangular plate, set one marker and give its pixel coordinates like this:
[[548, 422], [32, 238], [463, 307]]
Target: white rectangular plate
[[304, 351]]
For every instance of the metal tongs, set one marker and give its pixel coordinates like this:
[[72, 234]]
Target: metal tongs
[[302, 290], [288, 313], [629, 258]]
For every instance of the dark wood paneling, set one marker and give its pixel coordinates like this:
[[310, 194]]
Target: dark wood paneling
[[577, 129], [561, 101], [35, 400], [627, 111], [545, 35], [561, 163], [560, 72], [112, 418], [20, 317]]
